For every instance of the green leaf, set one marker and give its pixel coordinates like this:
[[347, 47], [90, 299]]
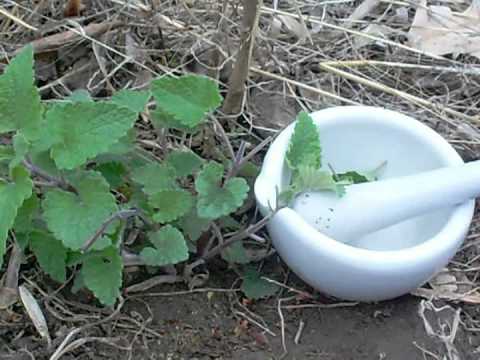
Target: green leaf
[[102, 274], [20, 107], [357, 177], [26, 215], [12, 196], [124, 145], [6, 153], [192, 225], [236, 253], [188, 98], [170, 247], [169, 205], [21, 146], [83, 130], [113, 172], [185, 162], [75, 218], [80, 95], [155, 177], [131, 99], [304, 148], [216, 200], [162, 120], [254, 287], [50, 254]]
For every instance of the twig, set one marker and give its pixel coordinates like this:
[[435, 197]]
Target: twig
[[236, 84], [154, 281], [240, 235], [301, 325], [52, 180], [119, 215], [17, 20]]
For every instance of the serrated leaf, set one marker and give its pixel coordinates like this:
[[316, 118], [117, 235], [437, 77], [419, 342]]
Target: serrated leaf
[[236, 253], [6, 153], [102, 274], [50, 253], [75, 218], [307, 178], [185, 162], [188, 98], [26, 215], [80, 95], [304, 147], [155, 177], [20, 146], [20, 107], [216, 200], [113, 172], [132, 99], [81, 131], [12, 196], [169, 205], [162, 120], [170, 247], [124, 145], [254, 287], [358, 177], [193, 225]]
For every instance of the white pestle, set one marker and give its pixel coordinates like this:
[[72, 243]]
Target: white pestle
[[373, 206]]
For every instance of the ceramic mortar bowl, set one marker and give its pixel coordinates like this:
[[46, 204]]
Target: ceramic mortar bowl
[[390, 262]]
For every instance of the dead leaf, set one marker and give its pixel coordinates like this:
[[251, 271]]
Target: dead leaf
[[363, 10], [379, 31], [35, 313], [294, 27], [439, 31]]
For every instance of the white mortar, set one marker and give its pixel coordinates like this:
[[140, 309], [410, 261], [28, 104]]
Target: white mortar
[[390, 262]]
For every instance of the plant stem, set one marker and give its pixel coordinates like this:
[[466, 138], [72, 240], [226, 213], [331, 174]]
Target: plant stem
[[119, 215], [51, 180]]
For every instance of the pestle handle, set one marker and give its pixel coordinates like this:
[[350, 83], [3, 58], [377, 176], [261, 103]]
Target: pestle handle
[[369, 207]]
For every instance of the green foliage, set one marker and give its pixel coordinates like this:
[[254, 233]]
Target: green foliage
[[50, 253], [304, 148], [169, 247], [74, 185], [73, 218], [20, 107], [254, 287], [304, 160], [187, 99], [216, 199], [102, 274], [12, 196]]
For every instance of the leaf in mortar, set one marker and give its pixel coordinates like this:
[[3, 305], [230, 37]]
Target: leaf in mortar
[[311, 179], [20, 107], [170, 247], [188, 98], [185, 162], [75, 218], [131, 99], [155, 177], [102, 274], [169, 205], [81, 131], [254, 287], [216, 200], [50, 253], [304, 148], [12, 196]]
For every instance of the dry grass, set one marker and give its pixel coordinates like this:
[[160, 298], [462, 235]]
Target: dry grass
[[320, 64]]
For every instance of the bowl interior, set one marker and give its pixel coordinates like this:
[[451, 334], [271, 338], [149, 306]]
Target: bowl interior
[[363, 139]]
